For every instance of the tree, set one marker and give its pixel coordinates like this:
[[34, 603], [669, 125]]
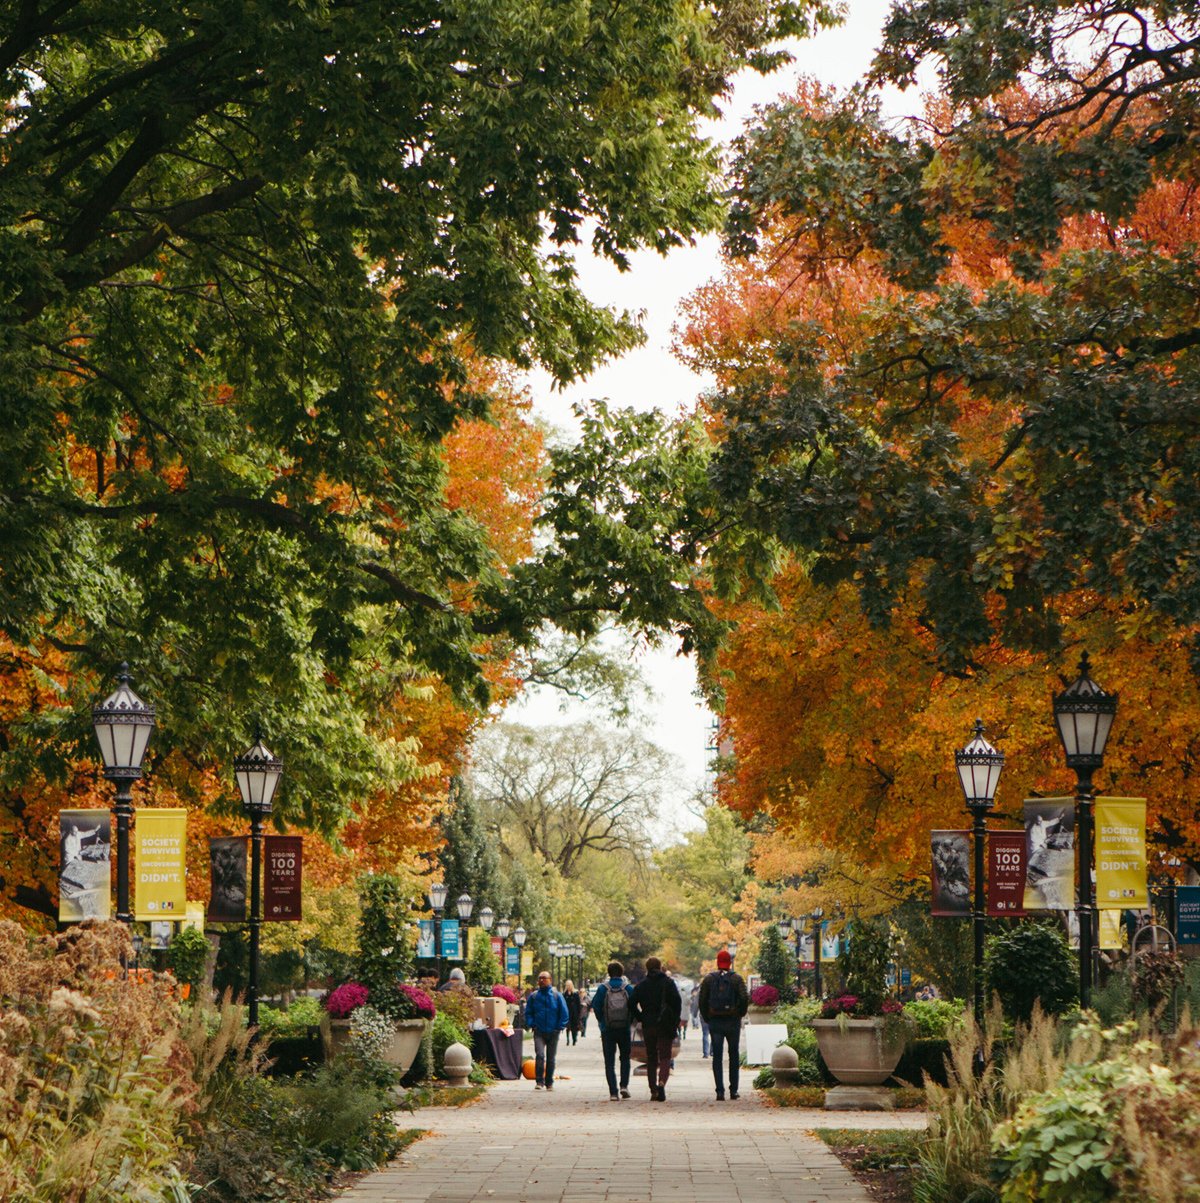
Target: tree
[[468, 856], [564, 791], [775, 963], [253, 267], [1013, 419]]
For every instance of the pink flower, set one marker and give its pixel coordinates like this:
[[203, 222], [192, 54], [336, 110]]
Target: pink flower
[[346, 998], [764, 996], [422, 1004], [507, 993]]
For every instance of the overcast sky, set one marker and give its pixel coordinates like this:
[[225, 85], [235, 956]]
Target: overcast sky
[[651, 377]]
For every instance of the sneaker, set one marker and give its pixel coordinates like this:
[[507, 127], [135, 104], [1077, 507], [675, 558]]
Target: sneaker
[[624, 1093], [733, 1094], [662, 1094], [614, 1098], [550, 1086], [720, 1096], [539, 1086]]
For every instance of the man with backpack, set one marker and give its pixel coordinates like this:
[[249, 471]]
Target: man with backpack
[[612, 1005], [657, 1004], [546, 1014], [723, 1002]]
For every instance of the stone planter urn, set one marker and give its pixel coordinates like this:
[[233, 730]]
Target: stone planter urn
[[760, 1015], [402, 1052], [406, 1042], [860, 1052]]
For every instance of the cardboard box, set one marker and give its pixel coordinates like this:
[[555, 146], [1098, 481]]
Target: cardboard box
[[493, 1011]]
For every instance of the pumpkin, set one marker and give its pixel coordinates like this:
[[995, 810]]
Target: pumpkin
[[529, 1068]]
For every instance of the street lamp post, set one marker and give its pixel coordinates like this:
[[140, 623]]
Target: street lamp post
[[519, 936], [123, 723], [1084, 715], [465, 905], [816, 918], [553, 948], [257, 772], [798, 932], [503, 926], [979, 766], [731, 947], [437, 904]]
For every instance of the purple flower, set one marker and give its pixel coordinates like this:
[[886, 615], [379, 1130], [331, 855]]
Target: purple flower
[[346, 998]]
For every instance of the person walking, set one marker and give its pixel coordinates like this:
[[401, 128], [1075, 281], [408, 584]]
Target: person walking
[[657, 1004], [723, 1003], [697, 1021], [546, 1014], [612, 1005], [585, 1005], [572, 999]]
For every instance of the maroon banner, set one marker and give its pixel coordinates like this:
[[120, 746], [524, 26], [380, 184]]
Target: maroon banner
[[951, 873], [281, 892], [1006, 873]]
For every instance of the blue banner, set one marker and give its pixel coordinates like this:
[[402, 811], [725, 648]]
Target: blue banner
[[451, 944], [512, 960], [425, 938], [905, 978], [1187, 903]]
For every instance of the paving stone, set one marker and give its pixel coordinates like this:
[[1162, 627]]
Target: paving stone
[[518, 1145]]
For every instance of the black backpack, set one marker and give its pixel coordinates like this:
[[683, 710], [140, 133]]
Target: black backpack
[[722, 995]]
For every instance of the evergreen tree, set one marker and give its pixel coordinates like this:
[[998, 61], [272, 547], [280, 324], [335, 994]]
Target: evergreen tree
[[775, 965], [468, 858]]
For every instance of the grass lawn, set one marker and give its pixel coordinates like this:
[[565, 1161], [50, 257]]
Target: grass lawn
[[882, 1161]]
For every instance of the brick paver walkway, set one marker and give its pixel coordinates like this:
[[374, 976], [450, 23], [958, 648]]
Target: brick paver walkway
[[518, 1145]]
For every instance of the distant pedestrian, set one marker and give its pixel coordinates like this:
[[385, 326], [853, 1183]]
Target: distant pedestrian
[[571, 998], [723, 1003], [657, 1004], [456, 980], [585, 1006], [612, 1004], [546, 1014]]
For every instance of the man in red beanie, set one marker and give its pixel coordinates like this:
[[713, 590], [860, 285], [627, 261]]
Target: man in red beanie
[[723, 1002]]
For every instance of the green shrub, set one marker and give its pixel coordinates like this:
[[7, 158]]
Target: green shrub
[[775, 964], [1027, 964], [864, 964], [187, 955], [1118, 1124], [383, 951], [303, 1014], [1113, 1002], [934, 1019], [446, 1031], [923, 1057], [764, 1078], [482, 968]]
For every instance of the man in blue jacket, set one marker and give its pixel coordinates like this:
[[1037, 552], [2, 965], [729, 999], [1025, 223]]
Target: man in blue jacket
[[546, 1014], [612, 1005]]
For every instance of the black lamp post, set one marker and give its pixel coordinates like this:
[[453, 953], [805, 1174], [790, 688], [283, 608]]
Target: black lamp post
[[503, 927], [437, 904], [464, 904], [519, 936], [137, 942], [257, 772], [731, 947], [798, 932], [486, 916], [554, 947], [979, 766], [1084, 715], [816, 918], [123, 723]]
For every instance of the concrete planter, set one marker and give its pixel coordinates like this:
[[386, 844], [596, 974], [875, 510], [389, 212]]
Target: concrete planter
[[402, 1052], [760, 1015], [860, 1052]]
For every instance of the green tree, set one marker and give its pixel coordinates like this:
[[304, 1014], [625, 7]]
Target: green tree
[[775, 964], [384, 957], [248, 263], [1031, 963], [1013, 419], [482, 969], [468, 857]]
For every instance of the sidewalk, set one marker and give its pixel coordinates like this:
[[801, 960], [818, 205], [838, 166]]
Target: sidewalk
[[520, 1145]]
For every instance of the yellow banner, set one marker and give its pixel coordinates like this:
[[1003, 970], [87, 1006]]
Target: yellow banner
[[474, 935], [1121, 853], [526, 964], [193, 916], [160, 847], [1111, 934]]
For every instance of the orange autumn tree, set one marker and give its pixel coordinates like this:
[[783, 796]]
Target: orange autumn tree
[[843, 730], [493, 474]]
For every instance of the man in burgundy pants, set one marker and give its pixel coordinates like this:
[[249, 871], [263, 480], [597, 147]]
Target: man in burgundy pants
[[657, 1004]]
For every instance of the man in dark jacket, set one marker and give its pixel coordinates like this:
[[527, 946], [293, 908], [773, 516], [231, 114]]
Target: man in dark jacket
[[723, 1002], [546, 1015], [615, 1018], [657, 1004]]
